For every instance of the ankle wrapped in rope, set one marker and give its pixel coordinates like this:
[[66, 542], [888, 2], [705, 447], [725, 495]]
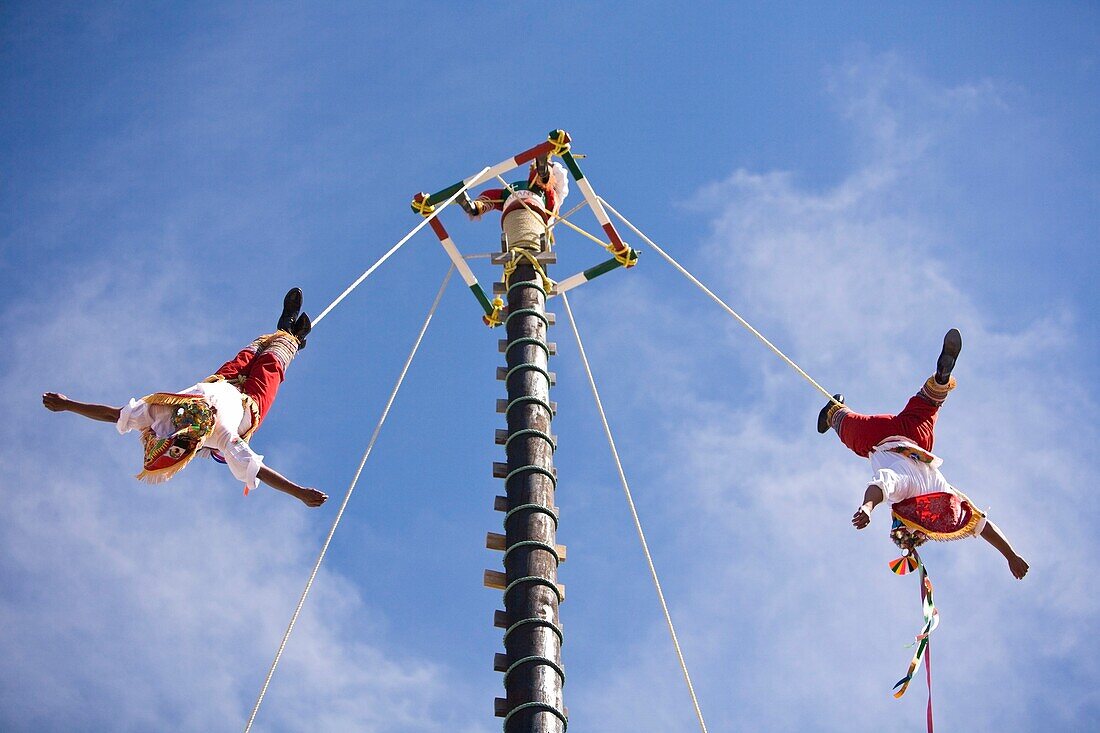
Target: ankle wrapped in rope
[[836, 416], [283, 346], [935, 392]]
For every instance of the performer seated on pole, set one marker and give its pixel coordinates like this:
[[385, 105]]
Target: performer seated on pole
[[216, 417], [906, 473], [545, 189]]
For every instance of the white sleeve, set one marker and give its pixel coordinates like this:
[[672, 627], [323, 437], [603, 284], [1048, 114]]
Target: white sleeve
[[560, 181], [243, 461], [134, 416], [895, 486]]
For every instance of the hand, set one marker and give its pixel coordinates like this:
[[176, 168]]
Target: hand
[[55, 402], [1018, 566], [312, 497], [861, 518]]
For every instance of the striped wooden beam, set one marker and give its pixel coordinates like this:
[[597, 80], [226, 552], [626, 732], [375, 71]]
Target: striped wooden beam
[[618, 247], [556, 144], [460, 264]]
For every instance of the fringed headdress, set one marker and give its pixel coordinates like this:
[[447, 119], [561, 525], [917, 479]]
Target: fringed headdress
[[192, 423]]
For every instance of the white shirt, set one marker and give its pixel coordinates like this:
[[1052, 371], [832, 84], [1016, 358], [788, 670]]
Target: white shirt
[[230, 421], [559, 181], [901, 477]]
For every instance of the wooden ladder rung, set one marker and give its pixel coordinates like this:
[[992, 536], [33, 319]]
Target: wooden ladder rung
[[545, 258], [497, 541], [499, 581], [501, 619], [500, 504]]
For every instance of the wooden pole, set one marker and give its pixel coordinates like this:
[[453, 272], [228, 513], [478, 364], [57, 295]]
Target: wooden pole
[[534, 675]]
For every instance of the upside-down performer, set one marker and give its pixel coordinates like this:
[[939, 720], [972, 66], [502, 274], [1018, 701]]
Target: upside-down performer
[[907, 477], [216, 417], [907, 474]]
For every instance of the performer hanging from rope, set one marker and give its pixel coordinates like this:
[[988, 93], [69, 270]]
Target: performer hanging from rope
[[216, 417], [907, 474]]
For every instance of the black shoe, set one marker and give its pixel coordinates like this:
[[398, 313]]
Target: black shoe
[[301, 329], [542, 168], [823, 416], [952, 345], [292, 303], [467, 205]]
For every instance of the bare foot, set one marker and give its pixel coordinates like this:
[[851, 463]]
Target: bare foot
[[55, 402], [312, 497], [861, 518], [1018, 566]]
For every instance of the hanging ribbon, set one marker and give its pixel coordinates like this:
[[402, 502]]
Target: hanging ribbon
[[931, 621]]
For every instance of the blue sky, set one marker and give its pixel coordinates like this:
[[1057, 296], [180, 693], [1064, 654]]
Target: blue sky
[[853, 181]]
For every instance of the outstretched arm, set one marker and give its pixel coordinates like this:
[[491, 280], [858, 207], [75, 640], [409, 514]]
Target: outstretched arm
[[274, 479], [60, 403], [872, 497], [994, 536]]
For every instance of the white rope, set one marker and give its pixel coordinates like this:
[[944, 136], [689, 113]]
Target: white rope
[[396, 247], [722, 303], [347, 497], [634, 514]]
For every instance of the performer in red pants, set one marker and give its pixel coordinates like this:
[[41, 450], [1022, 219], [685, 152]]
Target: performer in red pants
[[906, 472], [215, 417]]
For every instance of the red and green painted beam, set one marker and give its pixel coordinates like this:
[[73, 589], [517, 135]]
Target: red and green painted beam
[[557, 143], [463, 269], [593, 272], [624, 254]]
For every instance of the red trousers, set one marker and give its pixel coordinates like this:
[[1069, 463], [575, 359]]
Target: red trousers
[[917, 422], [261, 373]]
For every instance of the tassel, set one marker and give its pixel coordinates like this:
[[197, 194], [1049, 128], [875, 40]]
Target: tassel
[[903, 565]]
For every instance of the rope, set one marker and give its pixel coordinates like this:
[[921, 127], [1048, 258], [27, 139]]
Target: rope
[[722, 303], [537, 659], [541, 509], [538, 545], [541, 706], [537, 622], [569, 213], [395, 247], [535, 580], [347, 497], [527, 366], [634, 512]]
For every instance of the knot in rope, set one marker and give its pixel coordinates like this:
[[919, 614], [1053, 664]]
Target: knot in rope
[[492, 320], [627, 257], [517, 255], [421, 206], [560, 140]]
